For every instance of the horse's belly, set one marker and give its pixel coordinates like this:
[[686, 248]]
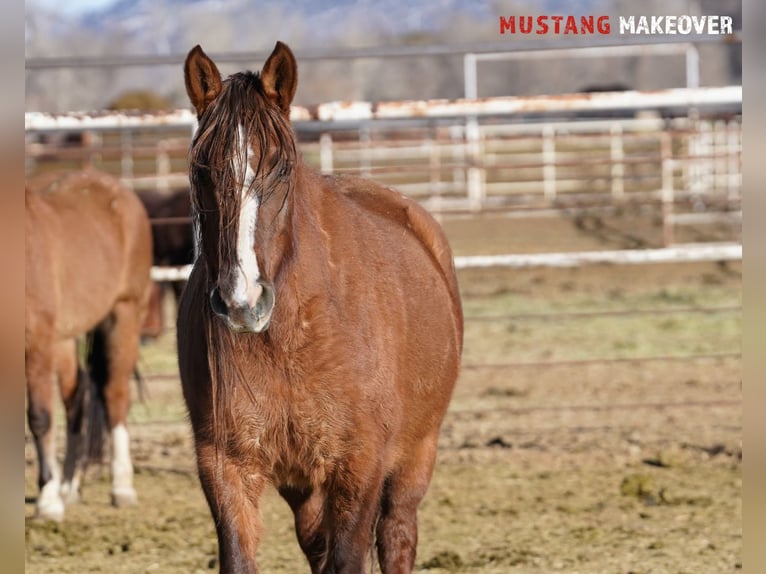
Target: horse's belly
[[89, 283]]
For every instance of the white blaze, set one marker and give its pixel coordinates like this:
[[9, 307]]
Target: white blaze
[[246, 289]]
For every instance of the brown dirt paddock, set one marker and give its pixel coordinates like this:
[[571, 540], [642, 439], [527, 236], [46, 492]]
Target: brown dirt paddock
[[569, 445]]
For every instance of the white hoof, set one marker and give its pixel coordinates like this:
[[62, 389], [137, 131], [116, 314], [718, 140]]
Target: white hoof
[[125, 496], [50, 506], [70, 494]]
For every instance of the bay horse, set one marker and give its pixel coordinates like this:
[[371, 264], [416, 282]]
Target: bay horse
[[88, 259], [172, 245], [319, 334]]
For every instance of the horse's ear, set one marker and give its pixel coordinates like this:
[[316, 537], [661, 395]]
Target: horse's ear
[[280, 77], [203, 80]]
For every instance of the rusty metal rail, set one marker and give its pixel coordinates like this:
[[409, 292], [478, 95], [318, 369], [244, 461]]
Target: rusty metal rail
[[470, 155], [421, 109]]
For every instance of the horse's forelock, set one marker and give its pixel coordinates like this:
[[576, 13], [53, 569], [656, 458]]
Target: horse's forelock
[[241, 109]]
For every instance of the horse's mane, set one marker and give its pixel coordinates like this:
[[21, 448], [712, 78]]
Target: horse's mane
[[215, 192]]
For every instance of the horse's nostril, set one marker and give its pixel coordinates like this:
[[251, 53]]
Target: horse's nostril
[[266, 300], [217, 303]]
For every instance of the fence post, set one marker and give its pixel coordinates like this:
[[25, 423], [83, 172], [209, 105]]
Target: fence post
[[705, 150], [458, 157], [470, 88], [325, 153], [163, 166], [94, 143], [475, 187], [734, 179], [126, 161], [617, 156], [365, 163], [667, 192], [549, 162], [434, 168], [721, 165]]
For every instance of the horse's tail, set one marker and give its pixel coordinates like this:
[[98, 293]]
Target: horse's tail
[[143, 390], [97, 361]]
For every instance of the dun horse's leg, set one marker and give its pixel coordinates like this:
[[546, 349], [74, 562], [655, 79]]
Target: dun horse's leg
[[232, 494], [154, 322], [122, 341], [74, 388], [40, 390], [397, 530]]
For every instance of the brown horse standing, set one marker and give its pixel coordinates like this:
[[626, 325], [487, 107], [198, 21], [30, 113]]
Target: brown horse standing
[[319, 334], [88, 257]]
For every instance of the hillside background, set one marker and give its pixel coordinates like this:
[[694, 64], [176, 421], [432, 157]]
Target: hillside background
[[172, 27]]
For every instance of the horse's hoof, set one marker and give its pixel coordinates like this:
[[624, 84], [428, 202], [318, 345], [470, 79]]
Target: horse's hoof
[[70, 496], [124, 497], [50, 510], [55, 514], [50, 505]]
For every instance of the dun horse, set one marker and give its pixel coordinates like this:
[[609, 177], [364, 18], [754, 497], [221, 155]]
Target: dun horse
[[88, 256], [319, 334]]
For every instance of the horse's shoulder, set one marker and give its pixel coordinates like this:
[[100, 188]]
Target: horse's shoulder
[[406, 213]]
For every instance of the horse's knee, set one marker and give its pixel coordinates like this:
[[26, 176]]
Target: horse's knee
[[397, 528], [397, 541], [39, 419]]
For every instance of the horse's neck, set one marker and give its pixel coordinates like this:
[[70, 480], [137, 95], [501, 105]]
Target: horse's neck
[[298, 280], [308, 225]]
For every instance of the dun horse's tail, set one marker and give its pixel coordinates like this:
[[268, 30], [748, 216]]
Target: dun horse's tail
[[97, 361], [143, 391]]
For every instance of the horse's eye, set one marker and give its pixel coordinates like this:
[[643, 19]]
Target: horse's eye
[[284, 169], [202, 177]]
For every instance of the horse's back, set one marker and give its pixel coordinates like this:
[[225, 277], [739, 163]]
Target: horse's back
[[96, 236]]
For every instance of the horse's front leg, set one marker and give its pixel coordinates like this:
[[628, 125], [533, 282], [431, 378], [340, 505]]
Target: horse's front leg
[[351, 509], [308, 509], [233, 494], [397, 528], [40, 392], [73, 384]]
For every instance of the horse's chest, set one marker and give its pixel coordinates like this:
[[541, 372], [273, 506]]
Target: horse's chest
[[289, 441]]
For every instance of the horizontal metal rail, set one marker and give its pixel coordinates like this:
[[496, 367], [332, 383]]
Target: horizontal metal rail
[[598, 407], [565, 315], [675, 254], [338, 112], [397, 51], [597, 361]]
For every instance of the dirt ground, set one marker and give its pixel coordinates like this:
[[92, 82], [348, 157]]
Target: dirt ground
[[596, 428]]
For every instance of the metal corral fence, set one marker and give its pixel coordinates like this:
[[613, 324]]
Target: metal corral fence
[[677, 150]]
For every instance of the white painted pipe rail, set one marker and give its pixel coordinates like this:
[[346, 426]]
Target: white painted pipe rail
[[165, 273], [674, 254], [412, 109]]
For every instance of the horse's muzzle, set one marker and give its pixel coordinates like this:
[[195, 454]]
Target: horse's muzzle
[[245, 318]]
